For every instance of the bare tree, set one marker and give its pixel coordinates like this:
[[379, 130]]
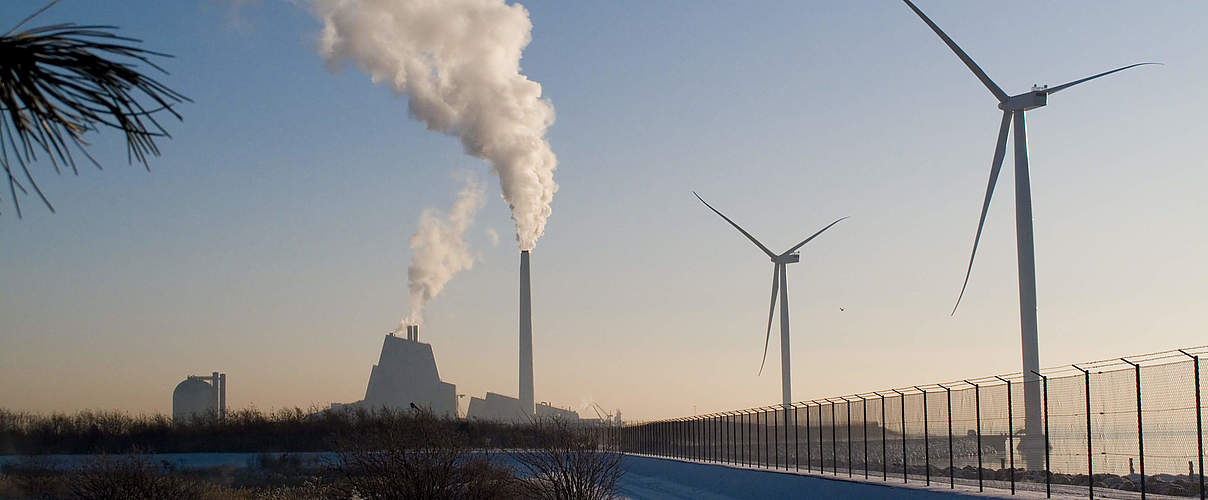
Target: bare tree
[[60, 81], [569, 463]]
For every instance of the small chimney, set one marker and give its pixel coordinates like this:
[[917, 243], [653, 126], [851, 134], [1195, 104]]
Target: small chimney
[[222, 408], [415, 333], [216, 388]]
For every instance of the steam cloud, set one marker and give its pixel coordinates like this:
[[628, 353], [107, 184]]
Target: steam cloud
[[439, 249], [459, 61]]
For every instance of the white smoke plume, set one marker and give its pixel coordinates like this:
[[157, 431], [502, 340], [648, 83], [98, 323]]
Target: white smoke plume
[[459, 62], [439, 249]]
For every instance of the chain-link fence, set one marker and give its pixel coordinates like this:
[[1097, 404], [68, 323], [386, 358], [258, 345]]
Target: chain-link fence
[[1132, 424]]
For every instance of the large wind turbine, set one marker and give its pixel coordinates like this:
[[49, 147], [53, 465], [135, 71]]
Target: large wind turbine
[[1013, 108], [779, 283]]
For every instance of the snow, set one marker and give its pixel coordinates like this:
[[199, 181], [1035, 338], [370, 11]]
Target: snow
[[673, 479]]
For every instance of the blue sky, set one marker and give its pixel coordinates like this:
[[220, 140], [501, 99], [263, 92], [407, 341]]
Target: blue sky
[[270, 239]]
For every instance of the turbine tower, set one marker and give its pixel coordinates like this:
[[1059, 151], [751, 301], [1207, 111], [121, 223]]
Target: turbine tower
[[1013, 108], [779, 283]]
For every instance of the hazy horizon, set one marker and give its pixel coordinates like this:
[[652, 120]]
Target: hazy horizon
[[270, 240]]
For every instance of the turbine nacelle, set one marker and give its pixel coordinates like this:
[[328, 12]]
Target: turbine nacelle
[[1026, 101], [791, 258]]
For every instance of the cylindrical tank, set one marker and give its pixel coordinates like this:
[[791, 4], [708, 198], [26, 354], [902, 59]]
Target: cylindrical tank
[[192, 398]]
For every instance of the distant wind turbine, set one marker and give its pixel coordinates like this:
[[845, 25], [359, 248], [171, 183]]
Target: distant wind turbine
[[779, 283], [1013, 108]]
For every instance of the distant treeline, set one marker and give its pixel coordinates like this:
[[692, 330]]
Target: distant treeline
[[242, 431]]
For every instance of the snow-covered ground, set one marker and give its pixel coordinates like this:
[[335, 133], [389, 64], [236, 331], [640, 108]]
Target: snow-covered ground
[[658, 478], [672, 479], [648, 478]]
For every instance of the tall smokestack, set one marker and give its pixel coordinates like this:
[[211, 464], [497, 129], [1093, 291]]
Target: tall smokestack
[[526, 336]]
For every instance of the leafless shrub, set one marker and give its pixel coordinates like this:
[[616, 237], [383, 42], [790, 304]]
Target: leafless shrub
[[132, 477], [32, 477], [421, 457], [569, 463]]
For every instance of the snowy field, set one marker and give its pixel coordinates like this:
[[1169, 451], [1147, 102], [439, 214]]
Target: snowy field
[[657, 478]]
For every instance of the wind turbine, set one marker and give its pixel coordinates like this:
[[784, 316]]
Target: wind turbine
[[779, 283], [1013, 108]]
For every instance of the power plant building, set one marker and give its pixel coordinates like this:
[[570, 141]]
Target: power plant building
[[200, 396], [406, 376]]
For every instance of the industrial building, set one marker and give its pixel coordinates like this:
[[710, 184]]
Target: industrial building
[[502, 408], [200, 396], [406, 376]]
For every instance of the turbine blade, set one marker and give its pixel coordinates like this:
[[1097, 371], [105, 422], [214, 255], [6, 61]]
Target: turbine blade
[[981, 75], [815, 235], [995, 167], [736, 226], [771, 314], [1054, 90]]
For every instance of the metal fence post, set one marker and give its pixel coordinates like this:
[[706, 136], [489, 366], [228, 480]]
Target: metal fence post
[[715, 439], [715, 434], [850, 461], [902, 398], [711, 432], [809, 456], [775, 439], [951, 460], [734, 438], [834, 441], [1090, 460], [726, 436], [740, 443], [864, 431], [977, 413], [698, 435], [735, 430], [1010, 432], [796, 439], [685, 439], [926, 438], [767, 440], [678, 430], [718, 437], [1199, 424], [822, 442], [697, 432], [1140, 427], [1048, 472], [884, 453]]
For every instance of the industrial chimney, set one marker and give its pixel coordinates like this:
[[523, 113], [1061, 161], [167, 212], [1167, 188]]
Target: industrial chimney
[[526, 337]]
